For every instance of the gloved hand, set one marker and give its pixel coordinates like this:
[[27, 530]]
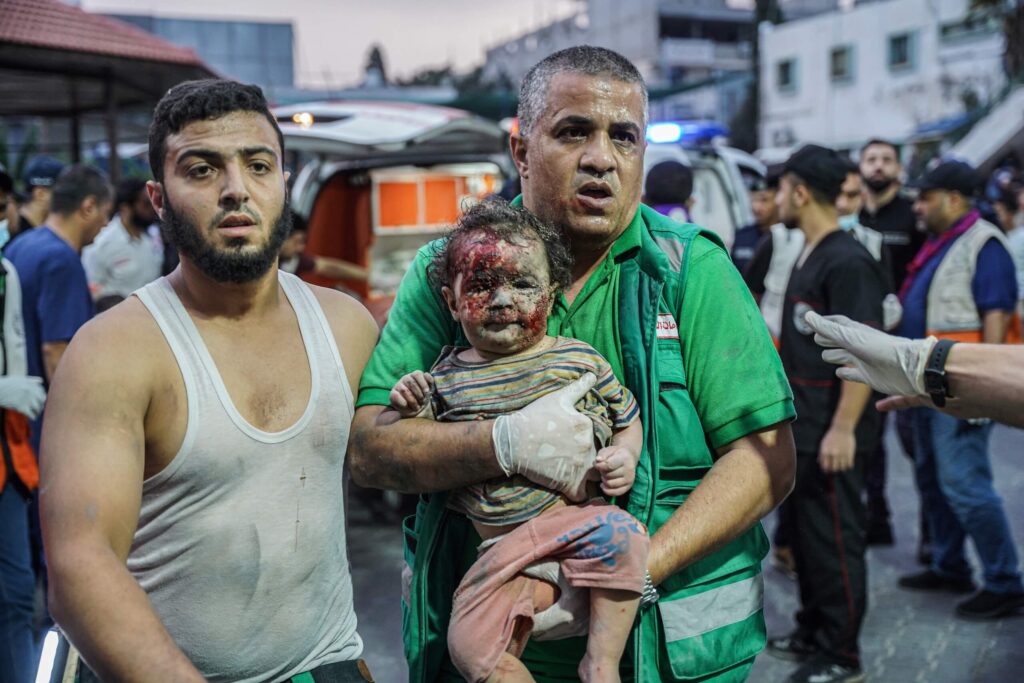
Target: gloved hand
[[570, 615], [24, 395], [549, 442], [891, 365]]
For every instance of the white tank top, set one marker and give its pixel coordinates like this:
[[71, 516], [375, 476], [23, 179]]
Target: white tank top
[[241, 538]]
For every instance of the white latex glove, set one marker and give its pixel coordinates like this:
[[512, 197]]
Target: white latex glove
[[549, 442], [891, 365], [570, 615], [24, 395]]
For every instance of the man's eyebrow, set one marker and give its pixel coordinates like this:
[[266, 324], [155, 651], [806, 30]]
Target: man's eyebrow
[[200, 152], [626, 125], [258, 149], [574, 120], [213, 155]]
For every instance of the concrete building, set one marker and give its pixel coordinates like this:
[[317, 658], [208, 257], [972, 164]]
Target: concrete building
[[670, 41], [878, 69], [249, 51]]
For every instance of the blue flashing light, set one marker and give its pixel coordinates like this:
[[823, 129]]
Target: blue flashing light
[[692, 132], [664, 132]]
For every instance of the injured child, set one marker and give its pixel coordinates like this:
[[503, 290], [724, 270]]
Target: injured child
[[499, 271]]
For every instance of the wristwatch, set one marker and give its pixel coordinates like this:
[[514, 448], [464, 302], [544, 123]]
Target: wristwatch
[[935, 381], [650, 593]]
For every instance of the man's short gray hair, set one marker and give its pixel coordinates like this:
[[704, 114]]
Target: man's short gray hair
[[581, 59]]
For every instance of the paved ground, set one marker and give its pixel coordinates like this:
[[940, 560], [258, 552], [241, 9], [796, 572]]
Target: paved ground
[[907, 637]]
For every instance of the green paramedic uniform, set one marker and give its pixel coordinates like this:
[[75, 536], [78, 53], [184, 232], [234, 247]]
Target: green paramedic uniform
[[677, 324]]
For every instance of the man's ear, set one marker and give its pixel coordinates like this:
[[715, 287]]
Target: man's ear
[[449, 298], [88, 207], [155, 191], [517, 145], [801, 195]]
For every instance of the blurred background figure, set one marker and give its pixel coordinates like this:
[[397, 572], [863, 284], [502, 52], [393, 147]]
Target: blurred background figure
[[849, 204], [294, 260], [835, 435], [965, 265], [8, 204], [39, 177], [766, 214], [126, 254], [55, 304], [21, 399], [668, 189], [890, 212], [885, 208]]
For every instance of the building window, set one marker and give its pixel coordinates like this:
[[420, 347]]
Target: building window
[[841, 64], [785, 75], [973, 26], [902, 49]]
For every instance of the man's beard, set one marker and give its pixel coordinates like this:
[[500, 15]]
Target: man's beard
[[230, 263], [879, 184]]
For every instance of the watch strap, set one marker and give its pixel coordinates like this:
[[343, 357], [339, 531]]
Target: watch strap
[[935, 381]]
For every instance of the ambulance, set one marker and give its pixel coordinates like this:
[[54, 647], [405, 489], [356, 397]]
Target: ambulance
[[376, 180]]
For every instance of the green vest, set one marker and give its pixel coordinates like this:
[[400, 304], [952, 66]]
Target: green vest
[[709, 618]]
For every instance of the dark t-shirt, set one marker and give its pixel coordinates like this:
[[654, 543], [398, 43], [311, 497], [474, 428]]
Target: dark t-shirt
[[898, 225], [55, 298], [756, 269], [839, 277], [745, 244], [24, 228]]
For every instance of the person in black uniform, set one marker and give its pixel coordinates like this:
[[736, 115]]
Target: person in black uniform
[[762, 204], [833, 433], [886, 210]]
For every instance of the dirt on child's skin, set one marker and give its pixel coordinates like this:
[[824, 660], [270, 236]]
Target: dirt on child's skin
[[503, 284]]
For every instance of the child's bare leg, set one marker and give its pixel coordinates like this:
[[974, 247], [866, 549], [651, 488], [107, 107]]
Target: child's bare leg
[[611, 618], [510, 669]]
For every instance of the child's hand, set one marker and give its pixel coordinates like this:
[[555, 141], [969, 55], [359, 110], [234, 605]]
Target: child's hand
[[617, 467], [412, 393]]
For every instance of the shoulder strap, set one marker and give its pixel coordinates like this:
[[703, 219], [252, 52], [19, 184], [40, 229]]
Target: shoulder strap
[[675, 241]]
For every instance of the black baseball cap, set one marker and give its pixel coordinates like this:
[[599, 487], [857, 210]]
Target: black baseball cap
[[952, 176], [819, 167]]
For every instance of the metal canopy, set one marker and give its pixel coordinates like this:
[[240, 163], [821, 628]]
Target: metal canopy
[[60, 61], [49, 82]]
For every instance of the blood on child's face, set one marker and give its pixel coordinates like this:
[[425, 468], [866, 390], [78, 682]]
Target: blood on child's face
[[502, 293]]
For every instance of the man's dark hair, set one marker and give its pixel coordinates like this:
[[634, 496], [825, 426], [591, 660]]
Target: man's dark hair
[[669, 182], [298, 222], [581, 59], [497, 217], [128, 191], [6, 181], [881, 141], [74, 184], [1009, 197], [201, 100]]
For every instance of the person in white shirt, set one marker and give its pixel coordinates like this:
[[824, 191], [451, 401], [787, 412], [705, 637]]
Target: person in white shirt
[[126, 255]]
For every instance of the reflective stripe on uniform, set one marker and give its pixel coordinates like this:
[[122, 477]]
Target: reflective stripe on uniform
[[697, 614], [674, 250]]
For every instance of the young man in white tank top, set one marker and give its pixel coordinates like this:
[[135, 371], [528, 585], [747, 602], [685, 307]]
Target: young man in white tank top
[[193, 502]]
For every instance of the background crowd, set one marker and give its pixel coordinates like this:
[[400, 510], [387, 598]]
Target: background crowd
[[942, 255]]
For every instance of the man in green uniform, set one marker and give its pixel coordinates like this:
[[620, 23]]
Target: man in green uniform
[[663, 303]]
